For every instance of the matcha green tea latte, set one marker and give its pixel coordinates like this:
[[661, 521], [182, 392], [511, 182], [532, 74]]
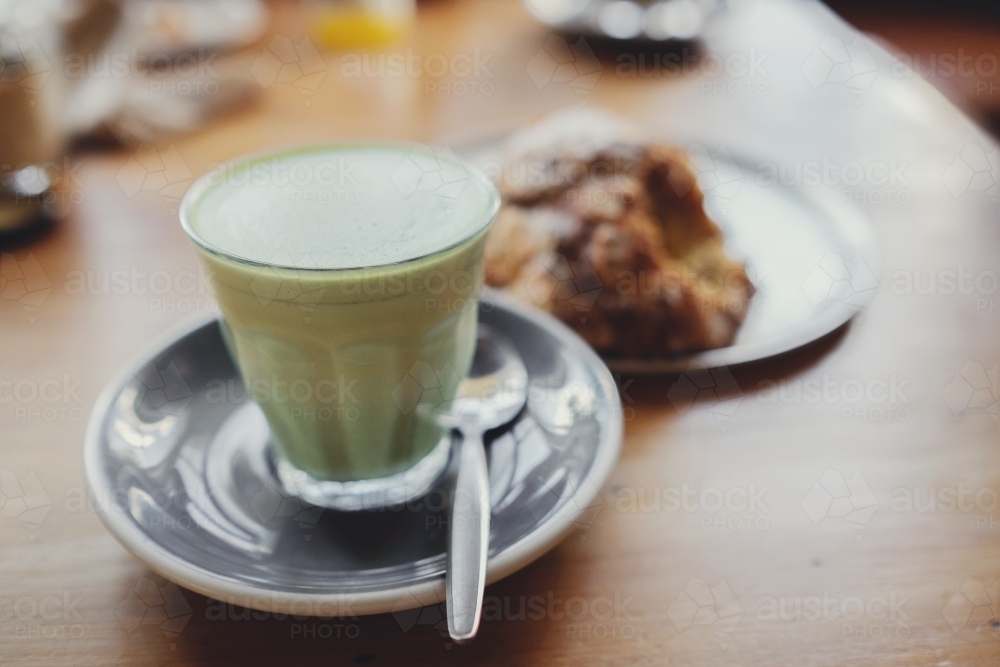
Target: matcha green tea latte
[[347, 276]]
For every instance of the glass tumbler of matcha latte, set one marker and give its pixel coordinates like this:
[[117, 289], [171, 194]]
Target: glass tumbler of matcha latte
[[348, 276]]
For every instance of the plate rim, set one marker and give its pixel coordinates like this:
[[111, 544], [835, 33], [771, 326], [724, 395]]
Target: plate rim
[[854, 228], [399, 598]]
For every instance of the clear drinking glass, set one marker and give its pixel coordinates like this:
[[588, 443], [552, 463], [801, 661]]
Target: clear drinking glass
[[348, 354]]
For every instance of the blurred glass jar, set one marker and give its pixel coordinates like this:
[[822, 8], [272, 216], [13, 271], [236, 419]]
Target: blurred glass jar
[[32, 91], [359, 24], [36, 36]]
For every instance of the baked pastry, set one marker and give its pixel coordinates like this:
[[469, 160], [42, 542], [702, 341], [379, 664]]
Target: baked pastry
[[606, 230]]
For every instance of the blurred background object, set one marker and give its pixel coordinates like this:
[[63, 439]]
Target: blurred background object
[[645, 20], [32, 101], [158, 73], [124, 72], [359, 24]]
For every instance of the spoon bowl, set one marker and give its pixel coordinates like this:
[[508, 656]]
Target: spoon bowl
[[496, 388]]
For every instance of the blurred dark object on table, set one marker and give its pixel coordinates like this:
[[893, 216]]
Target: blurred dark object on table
[[977, 9], [36, 39], [635, 21]]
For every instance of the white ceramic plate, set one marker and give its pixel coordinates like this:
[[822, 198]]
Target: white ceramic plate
[[811, 256]]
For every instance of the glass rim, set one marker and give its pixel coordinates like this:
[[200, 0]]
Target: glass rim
[[204, 184]]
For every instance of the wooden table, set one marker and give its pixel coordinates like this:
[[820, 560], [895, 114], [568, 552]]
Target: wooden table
[[906, 411]]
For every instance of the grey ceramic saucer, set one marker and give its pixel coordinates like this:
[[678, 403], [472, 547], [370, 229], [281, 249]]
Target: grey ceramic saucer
[[178, 463]]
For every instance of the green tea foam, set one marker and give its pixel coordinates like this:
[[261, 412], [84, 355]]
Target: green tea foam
[[340, 206]]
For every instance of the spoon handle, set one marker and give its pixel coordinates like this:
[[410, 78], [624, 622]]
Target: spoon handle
[[470, 539]]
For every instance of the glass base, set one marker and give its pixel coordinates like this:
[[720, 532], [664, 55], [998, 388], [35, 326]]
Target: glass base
[[366, 494]]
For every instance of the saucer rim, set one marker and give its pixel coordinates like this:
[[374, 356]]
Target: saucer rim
[[398, 598]]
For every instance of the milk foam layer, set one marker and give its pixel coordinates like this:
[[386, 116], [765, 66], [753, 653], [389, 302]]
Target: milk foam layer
[[341, 206]]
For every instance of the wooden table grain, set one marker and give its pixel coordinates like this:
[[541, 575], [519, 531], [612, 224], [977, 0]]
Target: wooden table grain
[[836, 506]]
